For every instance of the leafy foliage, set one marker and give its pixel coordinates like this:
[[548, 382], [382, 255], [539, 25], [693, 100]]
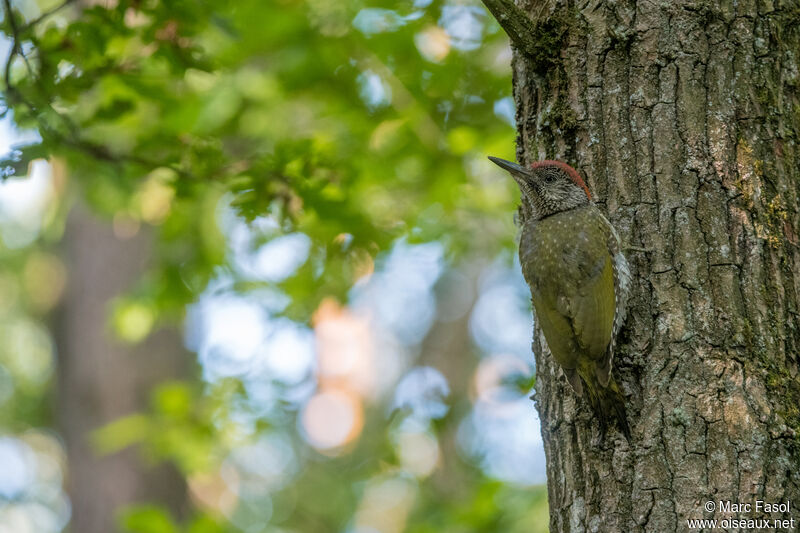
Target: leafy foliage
[[286, 106], [356, 124]]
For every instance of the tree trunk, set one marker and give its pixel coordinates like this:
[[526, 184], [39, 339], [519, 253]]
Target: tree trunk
[[102, 379], [685, 118]]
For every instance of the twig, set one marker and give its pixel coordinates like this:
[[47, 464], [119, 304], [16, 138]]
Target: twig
[[15, 48], [46, 14]]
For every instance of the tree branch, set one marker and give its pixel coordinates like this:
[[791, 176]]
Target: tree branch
[[537, 39], [74, 139], [12, 24]]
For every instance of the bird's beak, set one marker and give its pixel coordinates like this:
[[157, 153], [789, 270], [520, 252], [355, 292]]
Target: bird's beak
[[522, 175], [513, 168], [507, 165]]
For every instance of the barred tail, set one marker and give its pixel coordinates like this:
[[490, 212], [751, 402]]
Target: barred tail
[[608, 403]]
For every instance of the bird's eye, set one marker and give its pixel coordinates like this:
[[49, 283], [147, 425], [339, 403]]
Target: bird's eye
[[549, 179]]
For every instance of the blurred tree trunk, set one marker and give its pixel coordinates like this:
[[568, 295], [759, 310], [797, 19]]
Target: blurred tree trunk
[[684, 117], [448, 348], [102, 379]]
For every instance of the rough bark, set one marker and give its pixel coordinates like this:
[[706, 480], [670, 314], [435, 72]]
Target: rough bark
[[101, 379], [685, 118]]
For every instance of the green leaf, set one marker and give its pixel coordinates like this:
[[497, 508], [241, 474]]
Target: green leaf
[[147, 519], [115, 109], [121, 433], [205, 524], [173, 399]]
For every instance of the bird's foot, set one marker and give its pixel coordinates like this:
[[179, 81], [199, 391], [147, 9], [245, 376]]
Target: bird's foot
[[599, 438], [639, 249]]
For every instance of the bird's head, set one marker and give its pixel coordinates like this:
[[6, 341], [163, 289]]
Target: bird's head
[[547, 187]]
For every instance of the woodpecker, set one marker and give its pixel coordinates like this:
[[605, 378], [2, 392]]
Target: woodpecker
[[572, 260]]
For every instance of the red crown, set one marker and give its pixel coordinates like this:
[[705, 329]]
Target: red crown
[[571, 172]]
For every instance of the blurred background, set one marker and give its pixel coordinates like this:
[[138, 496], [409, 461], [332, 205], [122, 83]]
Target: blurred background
[[256, 273]]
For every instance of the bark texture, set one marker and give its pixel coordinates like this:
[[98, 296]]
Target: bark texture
[[685, 118], [102, 379]]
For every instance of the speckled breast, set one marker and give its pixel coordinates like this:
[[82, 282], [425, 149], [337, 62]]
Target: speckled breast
[[559, 251]]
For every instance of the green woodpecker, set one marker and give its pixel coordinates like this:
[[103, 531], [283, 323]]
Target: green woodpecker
[[573, 263]]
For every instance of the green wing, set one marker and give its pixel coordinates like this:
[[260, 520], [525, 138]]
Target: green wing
[[577, 320], [592, 312]]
